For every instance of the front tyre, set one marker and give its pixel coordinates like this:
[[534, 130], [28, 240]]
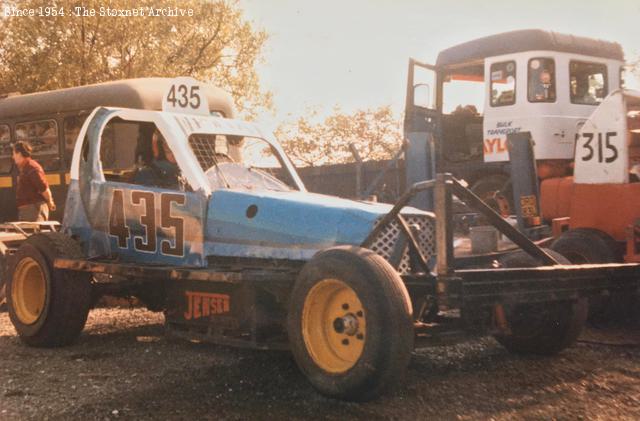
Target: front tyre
[[350, 323], [47, 306]]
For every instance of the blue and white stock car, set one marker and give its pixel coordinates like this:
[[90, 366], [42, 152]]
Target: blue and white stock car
[[234, 250]]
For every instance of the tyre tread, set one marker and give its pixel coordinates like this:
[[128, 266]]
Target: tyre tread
[[569, 317], [396, 335], [70, 293]]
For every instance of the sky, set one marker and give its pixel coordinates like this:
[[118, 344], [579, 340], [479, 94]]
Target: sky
[[354, 53]]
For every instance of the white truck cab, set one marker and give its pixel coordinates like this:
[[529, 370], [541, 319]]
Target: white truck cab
[[548, 93], [479, 91]]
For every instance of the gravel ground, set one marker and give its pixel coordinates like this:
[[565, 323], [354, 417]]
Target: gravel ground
[[123, 367]]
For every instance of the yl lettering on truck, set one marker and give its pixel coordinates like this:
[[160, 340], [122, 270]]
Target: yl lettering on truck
[[495, 145], [495, 141], [204, 304], [144, 205]]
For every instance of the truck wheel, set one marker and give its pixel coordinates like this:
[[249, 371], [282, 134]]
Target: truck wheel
[[541, 328], [350, 323], [588, 245], [495, 191], [47, 306]]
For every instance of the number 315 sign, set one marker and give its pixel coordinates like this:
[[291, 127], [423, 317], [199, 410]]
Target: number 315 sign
[[602, 152], [601, 157], [185, 95]]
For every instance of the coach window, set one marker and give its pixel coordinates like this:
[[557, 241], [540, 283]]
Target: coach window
[[71, 129], [5, 149], [43, 138], [541, 80], [587, 82], [503, 83]]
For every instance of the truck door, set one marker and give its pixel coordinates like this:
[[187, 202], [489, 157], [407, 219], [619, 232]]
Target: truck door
[[421, 125]]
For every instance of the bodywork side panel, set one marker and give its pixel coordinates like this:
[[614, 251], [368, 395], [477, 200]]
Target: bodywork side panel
[[95, 228], [286, 225]]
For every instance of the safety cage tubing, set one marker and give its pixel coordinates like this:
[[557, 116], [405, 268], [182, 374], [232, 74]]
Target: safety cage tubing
[[468, 282], [445, 186]]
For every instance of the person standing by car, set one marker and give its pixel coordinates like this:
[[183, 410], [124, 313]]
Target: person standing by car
[[33, 196]]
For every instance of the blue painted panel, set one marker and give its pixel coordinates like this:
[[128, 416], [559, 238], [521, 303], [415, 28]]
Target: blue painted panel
[[76, 223], [280, 225], [420, 167], [288, 225], [95, 226]]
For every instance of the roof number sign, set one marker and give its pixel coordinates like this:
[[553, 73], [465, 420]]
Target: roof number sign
[[185, 95]]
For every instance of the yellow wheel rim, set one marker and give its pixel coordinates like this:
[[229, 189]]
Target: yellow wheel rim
[[28, 290], [333, 325]]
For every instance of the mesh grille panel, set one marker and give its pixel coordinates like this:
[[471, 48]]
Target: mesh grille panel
[[203, 146], [386, 240]]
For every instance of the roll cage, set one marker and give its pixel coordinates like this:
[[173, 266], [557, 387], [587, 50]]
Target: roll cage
[[176, 129]]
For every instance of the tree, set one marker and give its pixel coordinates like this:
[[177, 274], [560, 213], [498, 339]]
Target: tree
[[375, 133], [216, 44]]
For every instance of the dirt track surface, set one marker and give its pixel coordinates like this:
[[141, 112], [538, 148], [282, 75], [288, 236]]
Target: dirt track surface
[[124, 367]]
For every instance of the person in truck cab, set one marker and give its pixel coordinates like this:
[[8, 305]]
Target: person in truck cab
[[544, 90]]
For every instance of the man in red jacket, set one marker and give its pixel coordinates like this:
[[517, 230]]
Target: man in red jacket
[[33, 197]]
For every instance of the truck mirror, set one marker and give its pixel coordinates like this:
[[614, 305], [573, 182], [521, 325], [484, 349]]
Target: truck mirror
[[422, 95]]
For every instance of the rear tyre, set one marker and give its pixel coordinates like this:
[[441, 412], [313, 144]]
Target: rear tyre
[[588, 245], [350, 323], [47, 306], [541, 328]]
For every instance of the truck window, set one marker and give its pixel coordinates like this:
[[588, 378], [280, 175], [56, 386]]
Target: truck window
[[424, 88], [43, 138], [541, 80], [6, 149], [463, 89], [503, 83], [71, 129], [463, 99], [587, 82]]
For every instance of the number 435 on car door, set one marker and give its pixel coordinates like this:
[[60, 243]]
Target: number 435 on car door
[[145, 216]]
